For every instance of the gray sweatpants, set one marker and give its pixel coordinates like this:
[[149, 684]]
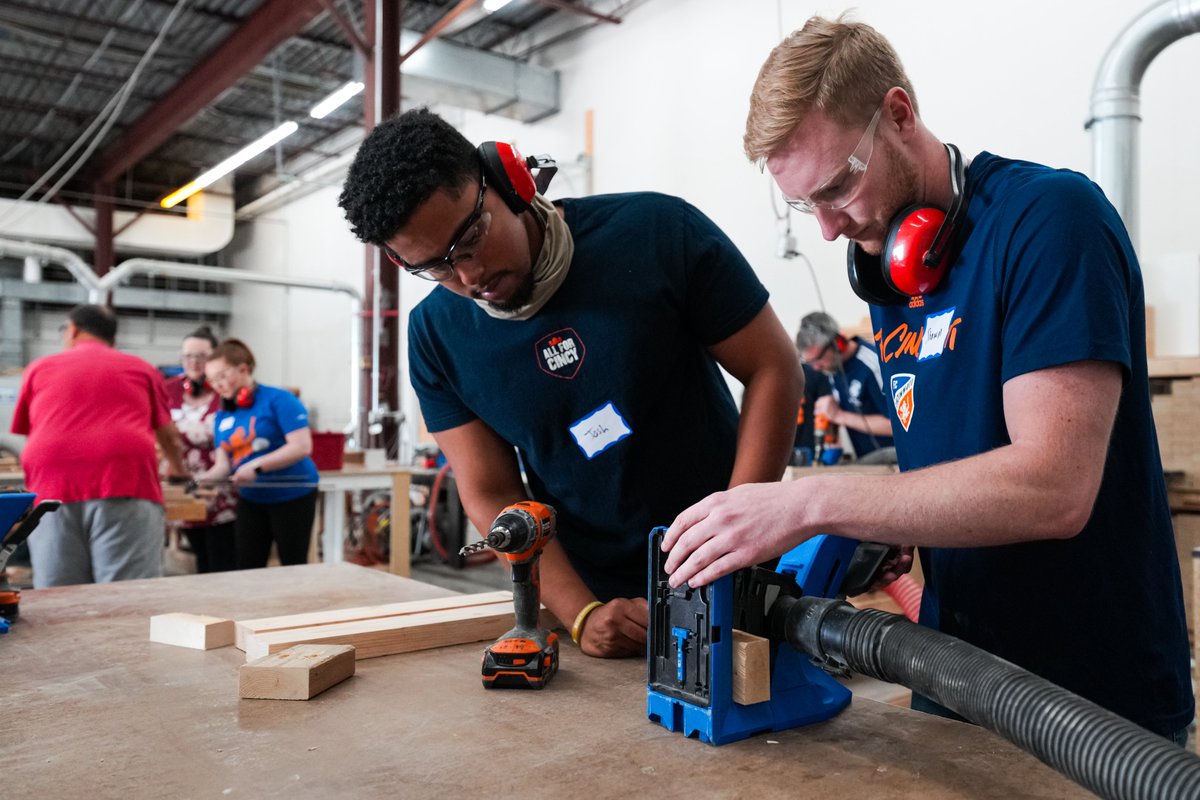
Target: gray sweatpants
[[98, 541]]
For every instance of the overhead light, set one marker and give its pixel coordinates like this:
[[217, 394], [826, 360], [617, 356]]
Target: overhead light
[[323, 108], [492, 6], [230, 164]]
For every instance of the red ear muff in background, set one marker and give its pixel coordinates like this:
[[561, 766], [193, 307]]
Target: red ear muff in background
[[511, 175], [194, 388], [244, 398], [921, 243]]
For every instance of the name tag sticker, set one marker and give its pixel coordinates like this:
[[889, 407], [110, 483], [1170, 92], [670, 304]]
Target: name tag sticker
[[226, 424], [599, 430], [937, 330]]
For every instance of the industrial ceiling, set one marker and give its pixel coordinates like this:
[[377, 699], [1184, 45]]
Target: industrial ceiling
[[135, 98]]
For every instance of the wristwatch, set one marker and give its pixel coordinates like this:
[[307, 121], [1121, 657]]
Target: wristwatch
[[258, 469]]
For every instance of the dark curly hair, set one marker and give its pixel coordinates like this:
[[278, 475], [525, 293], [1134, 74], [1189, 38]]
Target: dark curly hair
[[404, 161]]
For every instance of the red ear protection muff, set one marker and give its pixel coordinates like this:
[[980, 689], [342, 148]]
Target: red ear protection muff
[[839, 342], [194, 388], [921, 244], [244, 398], [511, 176]]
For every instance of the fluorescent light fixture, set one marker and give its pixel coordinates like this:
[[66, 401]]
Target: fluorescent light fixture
[[230, 164], [323, 108], [492, 6]]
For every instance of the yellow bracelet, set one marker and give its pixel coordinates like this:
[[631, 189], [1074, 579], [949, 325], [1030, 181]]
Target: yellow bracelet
[[581, 617]]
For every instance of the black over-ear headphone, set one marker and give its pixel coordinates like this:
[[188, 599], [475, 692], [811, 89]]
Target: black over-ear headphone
[[243, 398], [922, 242], [193, 387], [511, 176]]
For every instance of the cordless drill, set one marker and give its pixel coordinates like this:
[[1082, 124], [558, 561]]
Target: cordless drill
[[527, 656]]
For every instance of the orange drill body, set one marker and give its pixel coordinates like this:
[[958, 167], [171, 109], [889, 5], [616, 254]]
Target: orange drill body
[[527, 656]]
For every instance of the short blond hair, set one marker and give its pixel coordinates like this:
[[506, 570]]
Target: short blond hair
[[841, 68]]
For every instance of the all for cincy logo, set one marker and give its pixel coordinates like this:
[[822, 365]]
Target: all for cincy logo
[[560, 353], [904, 341]]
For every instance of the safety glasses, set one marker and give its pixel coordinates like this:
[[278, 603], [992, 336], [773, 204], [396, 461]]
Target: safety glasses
[[465, 244], [839, 190]]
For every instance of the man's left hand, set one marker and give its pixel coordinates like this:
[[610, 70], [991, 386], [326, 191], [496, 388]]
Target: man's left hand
[[828, 407]]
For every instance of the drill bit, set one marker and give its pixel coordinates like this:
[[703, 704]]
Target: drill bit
[[477, 547]]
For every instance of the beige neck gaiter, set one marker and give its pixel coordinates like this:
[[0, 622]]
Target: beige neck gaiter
[[550, 269]]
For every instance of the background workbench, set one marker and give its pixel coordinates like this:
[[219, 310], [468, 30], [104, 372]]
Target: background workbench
[[93, 709]]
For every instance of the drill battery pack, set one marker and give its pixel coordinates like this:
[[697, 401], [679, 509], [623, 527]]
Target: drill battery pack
[[521, 663]]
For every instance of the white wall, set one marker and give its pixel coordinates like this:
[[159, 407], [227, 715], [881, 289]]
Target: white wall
[[669, 90]]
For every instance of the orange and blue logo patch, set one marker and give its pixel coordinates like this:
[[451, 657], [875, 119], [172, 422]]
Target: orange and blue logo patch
[[903, 397]]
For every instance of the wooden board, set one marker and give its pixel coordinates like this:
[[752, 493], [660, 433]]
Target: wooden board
[[386, 636], [298, 673], [751, 668], [191, 630], [252, 627]]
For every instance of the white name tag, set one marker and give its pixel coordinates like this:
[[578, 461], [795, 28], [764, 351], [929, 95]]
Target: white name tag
[[600, 430], [937, 330], [226, 424]]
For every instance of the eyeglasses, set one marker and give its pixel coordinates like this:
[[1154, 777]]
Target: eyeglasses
[[196, 356], [839, 189], [818, 357], [223, 377], [463, 247]]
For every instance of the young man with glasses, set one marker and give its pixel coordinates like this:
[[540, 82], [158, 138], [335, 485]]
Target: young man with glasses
[[1019, 391], [579, 342]]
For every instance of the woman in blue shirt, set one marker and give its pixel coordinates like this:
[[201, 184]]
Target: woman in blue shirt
[[263, 448]]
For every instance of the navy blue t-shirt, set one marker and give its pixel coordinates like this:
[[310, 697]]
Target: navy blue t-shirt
[[246, 434], [620, 415], [858, 389], [1046, 277]]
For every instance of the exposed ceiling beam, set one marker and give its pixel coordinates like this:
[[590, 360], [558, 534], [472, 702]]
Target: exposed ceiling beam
[[562, 5], [246, 47]]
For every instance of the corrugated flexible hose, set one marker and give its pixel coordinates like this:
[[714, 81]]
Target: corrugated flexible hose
[[1101, 751]]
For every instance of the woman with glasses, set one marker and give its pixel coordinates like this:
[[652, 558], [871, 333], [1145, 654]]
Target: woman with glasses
[[263, 447], [194, 408]]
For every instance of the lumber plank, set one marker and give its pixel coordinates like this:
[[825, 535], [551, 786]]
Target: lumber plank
[[751, 668], [191, 630], [397, 634], [253, 627], [298, 673]]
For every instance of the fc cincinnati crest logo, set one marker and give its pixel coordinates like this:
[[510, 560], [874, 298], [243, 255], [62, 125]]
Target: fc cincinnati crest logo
[[561, 353], [902, 397]]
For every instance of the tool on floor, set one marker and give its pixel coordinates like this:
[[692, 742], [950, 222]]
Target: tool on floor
[[690, 641], [527, 656], [18, 518]]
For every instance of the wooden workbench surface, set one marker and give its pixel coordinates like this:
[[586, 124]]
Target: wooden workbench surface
[[93, 709]]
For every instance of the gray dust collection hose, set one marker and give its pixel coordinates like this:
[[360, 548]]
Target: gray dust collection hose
[[1104, 753]]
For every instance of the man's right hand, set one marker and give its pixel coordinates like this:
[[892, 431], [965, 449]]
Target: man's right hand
[[616, 629]]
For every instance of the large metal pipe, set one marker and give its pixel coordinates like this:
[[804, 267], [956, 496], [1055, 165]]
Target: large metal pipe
[[80, 270], [149, 266], [1116, 103]]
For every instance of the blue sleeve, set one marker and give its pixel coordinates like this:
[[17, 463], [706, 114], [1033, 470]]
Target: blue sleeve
[[723, 293], [1065, 284], [441, 407], [290, 413]]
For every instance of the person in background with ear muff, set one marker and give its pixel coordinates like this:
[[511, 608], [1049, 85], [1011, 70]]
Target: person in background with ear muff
[[1007, 304], [262, 436], [194, 407], [855, 399], [583, 337]]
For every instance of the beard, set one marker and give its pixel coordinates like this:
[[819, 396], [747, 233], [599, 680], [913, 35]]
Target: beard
[[900, 190], [520, 297]]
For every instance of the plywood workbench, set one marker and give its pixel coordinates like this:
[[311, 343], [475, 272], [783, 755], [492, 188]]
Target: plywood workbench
[[93, 709]]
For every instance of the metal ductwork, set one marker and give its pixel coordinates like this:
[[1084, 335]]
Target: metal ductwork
[[1116, 103], [442, 72]]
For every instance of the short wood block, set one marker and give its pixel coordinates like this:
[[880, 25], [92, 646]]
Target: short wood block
[[298, 673], [751, 668], [191, 630]]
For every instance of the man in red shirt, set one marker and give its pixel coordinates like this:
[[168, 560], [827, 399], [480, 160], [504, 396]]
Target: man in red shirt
[[92, 415]]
